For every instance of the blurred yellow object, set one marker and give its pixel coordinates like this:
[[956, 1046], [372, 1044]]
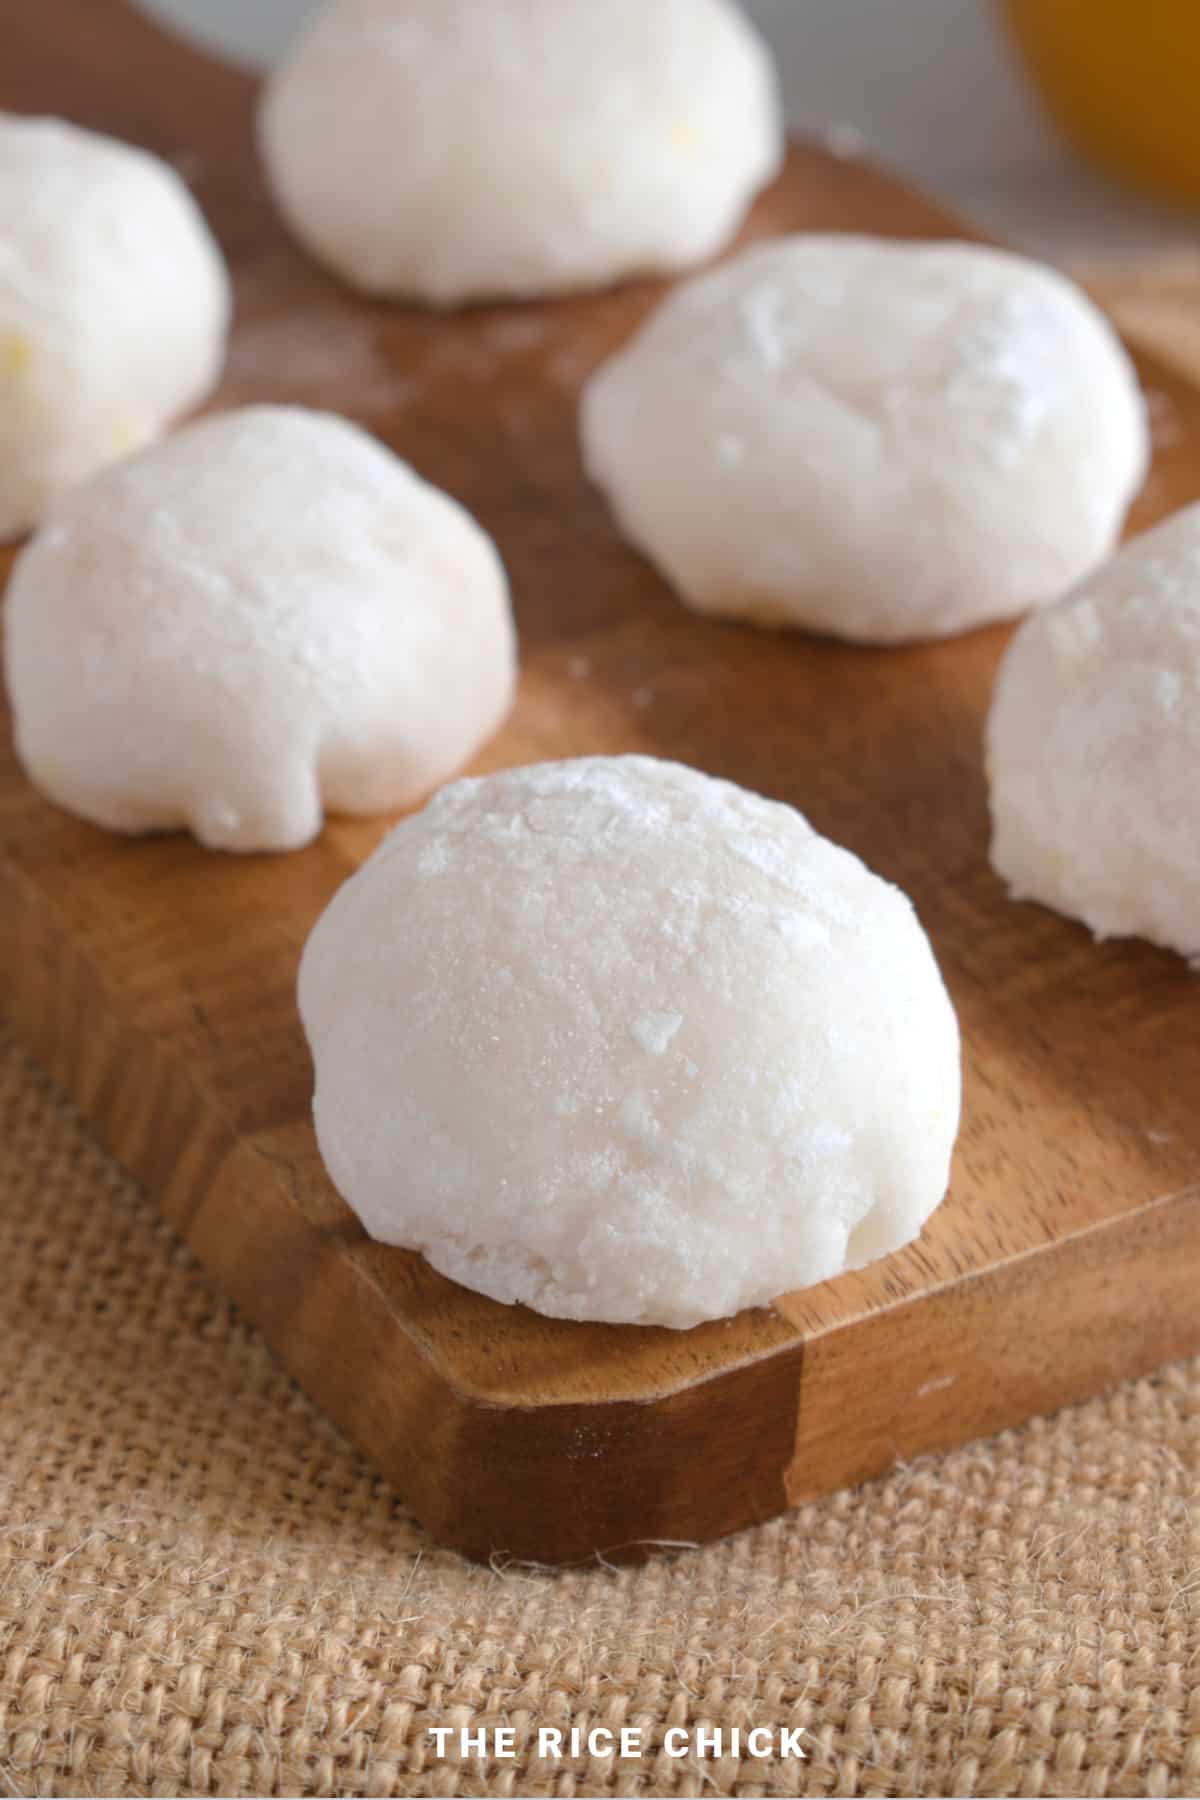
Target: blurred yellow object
[[1122, 77], [16, 353]]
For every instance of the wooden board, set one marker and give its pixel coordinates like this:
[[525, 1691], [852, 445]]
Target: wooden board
[[156, 981]]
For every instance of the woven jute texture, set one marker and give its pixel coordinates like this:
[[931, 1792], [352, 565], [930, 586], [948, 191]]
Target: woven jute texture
[[203, 1590]]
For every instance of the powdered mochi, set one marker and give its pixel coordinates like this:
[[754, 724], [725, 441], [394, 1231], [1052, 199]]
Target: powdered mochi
[[1094, 746], [266, 616], [114, 306], [621, 1041], [453, 150], [883, 441]]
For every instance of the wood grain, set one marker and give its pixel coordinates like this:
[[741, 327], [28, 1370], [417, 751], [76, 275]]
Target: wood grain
[[156, 981]]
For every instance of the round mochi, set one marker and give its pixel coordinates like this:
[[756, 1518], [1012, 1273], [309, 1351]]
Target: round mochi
[[1094, 746], [265, 616], [620, 1041], [882, 441], [114, 308], [458, 150]]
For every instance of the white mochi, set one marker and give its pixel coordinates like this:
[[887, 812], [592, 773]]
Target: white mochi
[[620, 1041], [455, 150], [1094, 746], [883, 441], [265, 616], [114, 308]]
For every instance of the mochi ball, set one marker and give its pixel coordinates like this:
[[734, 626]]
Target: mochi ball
[[114, 308], [620, 1041], [458, 150], [879, 440], [264, 617], [1093, 744]]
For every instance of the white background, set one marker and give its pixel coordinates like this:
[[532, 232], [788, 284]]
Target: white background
[[929, 83]]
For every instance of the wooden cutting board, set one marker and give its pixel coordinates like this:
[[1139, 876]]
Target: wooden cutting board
[[156, 981]]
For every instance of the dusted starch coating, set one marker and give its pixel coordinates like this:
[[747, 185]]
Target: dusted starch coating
[[1093, 744], [265, 617], [882, 441], [459, 150], [114, 308], [624, 1042]]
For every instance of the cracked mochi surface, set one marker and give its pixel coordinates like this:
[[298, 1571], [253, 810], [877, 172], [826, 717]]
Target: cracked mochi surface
[[624, 1042], [883, 441], [457, 150], [114, 308], [1093, 744], [263, 618]]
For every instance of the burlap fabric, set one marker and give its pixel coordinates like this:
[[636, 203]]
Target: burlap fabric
[[204, 1591]]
